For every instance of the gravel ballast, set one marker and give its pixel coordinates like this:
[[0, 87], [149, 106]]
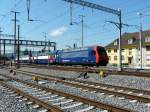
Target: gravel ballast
[[8, 103], [142, 83], [100, 97], [125, 81], [40, 93]]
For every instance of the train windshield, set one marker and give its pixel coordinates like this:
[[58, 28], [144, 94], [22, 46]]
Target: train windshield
[[101, 51]]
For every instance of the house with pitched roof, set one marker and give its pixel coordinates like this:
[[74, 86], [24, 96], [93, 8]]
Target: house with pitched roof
[[130, 49]]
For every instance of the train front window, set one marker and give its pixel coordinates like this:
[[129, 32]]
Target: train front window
[[101, 50]]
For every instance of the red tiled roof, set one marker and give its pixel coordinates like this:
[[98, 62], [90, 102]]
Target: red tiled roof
[[134, 36]]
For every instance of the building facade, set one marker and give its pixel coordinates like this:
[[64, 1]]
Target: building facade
[[130, 50]]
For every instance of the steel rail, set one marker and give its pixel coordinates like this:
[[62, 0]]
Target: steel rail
[[109, 92], [46, 105], [92, 83], [95, 70], [108, 107]]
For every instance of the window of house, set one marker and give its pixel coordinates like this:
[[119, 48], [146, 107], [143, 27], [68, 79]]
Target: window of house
[[147, 39], [130, 51], [116, 43], [147, 48], [147, 59], [109, 58], [109, 51], [122, 50], [115, 58], [115, 50], [122, 57], [130, 41]]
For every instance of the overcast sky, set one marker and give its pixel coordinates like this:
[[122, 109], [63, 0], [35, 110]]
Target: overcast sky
[[54, 19]]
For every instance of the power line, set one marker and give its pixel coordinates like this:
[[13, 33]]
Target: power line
[[8, 13], [54, 19]]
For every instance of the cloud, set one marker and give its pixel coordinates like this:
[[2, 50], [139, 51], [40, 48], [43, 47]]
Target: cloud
[[58, 32]]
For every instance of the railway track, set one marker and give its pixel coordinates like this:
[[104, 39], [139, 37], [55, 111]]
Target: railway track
[[130, 93], [134, 95], [19, 93], [108, 71], [53, 100]]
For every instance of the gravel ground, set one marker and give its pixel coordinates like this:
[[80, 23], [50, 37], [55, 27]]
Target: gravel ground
[[9, 104], [136, 106], [125, 81], [3, 71], [40, 94]]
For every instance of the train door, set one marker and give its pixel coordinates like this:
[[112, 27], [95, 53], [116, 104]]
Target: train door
[[103, 58]]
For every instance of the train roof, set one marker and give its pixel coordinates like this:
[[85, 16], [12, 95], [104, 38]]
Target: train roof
[[80, 48]]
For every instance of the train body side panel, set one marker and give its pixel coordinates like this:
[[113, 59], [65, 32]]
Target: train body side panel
[[77, 57], [42, 60]]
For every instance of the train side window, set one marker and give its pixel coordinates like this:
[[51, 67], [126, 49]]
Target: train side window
[[93, 52]]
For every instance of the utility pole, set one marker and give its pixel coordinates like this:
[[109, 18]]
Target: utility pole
[[71, 9], [82, 24], [0, 45], [49, 46], [119, 26], [120, 47], [28, 9], [18, 48], [4, 51], [45, 36], [15, 21], [140, 38]]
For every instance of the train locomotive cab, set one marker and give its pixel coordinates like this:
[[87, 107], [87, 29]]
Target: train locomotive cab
[[101, 56]]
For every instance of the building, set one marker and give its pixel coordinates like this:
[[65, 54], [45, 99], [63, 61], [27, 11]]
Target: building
[[130, 50]]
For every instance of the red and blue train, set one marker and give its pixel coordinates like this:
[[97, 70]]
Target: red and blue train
[[94, 55]]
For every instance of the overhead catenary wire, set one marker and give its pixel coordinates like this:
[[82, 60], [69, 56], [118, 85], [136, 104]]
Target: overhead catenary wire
[[9, 12], [54, 19]]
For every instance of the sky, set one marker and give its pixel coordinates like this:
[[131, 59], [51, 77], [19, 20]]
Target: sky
[[53, 18]]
